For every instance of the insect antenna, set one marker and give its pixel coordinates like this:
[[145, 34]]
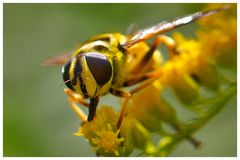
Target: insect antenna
[[63, 83]]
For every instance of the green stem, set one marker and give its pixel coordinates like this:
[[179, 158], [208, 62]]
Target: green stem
[[218, 104]]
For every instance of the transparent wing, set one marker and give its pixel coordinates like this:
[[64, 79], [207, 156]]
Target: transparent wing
[[132, 29], [57, 59], [165, 26]]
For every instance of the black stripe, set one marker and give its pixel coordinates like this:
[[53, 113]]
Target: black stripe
[[83, 87], [77, 67], [65, 75], [101, 48], [120, 47], [76, 71], [77, 74], [106, 39]]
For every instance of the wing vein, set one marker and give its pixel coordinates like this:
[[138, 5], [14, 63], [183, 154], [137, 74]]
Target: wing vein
[[165, 26]]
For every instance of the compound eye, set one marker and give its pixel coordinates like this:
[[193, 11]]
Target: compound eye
[[99, 66], [65, 74]]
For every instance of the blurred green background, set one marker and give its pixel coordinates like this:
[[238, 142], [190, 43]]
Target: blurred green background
[[37, 118]]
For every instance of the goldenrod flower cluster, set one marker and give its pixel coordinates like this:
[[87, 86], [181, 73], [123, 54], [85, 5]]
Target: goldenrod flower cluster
[[102, 133], [195, 67]]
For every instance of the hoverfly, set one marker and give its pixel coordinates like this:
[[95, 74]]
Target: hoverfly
[[103, 64]]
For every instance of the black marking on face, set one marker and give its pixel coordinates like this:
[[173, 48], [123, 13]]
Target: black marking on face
[[76, 71], [99, 66], [65, 74], [83, 87], [74, 81], [77, 67], [77, 74], [105, 39]]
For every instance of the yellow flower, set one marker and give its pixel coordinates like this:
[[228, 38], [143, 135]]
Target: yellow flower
[[195, 65], [102, 133], [218, 35], [107, 141], [149, 108]]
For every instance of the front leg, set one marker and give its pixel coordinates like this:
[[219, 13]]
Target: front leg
[[73, 99], [92, 108], [128, 95]]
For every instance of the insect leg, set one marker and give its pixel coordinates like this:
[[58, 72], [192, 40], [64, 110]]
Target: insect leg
[[128, 95], [77, 110], [73, 98], [121, 93], [151, 77], [167, 41], [77, 98], [170, 43], [139, 78], [92, 108]]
